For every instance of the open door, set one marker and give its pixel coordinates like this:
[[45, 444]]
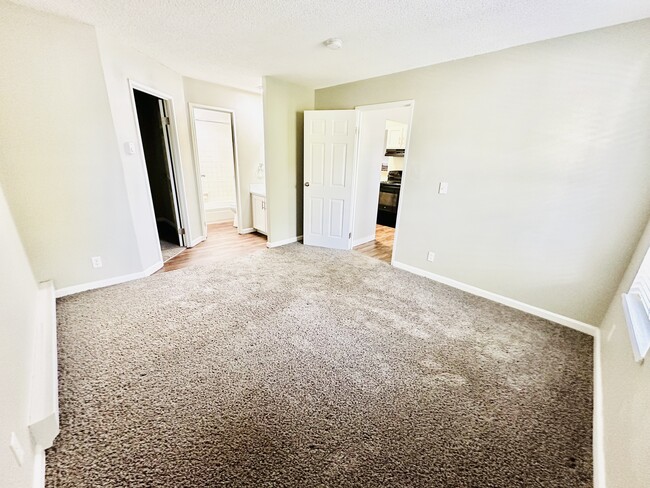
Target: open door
[[153, 123], [329, 156]]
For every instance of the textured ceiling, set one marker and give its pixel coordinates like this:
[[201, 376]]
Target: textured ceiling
[[236, 42]]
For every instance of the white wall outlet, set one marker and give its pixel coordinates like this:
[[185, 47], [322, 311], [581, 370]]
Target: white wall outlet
[[97, 261], [17, 449], [129, 147], [431, 256], [444, 186]]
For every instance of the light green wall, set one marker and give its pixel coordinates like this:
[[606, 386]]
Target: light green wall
[[626, 392], [59, 160], [546, 149], [122, 63], [284, 104]]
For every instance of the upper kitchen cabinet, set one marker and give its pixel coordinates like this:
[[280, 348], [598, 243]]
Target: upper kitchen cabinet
[[396, 135]]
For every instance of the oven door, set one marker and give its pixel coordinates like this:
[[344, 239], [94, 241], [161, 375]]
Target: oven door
[[388, 197]]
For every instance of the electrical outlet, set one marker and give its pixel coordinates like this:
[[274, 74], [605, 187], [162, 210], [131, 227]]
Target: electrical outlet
[[97, 261], [431, 256], [17, 449]]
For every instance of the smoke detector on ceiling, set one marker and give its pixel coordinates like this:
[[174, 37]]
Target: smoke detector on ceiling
[[333, 43]]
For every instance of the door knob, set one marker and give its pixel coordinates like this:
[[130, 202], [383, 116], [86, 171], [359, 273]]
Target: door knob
[[306, 183]]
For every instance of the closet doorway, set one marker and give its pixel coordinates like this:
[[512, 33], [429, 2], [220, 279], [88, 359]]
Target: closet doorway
[[154, 118], [215, 154]]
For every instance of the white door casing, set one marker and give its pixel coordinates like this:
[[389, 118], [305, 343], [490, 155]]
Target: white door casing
[[329, 158]]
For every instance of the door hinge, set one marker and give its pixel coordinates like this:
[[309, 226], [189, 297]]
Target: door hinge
[[181, 231], [165, 120], [350, 235]]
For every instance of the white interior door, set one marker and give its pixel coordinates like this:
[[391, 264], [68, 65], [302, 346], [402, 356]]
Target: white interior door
[[330, 144]]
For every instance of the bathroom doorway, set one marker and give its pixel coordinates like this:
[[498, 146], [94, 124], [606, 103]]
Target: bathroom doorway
[[215, 152]]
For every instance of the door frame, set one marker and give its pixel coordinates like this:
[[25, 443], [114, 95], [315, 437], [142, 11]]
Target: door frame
[[385, 106], [178, 186], [197, 168]]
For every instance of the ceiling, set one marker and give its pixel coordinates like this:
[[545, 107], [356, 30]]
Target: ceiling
[[236, 42]]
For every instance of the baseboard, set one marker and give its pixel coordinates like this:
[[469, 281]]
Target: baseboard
[[524, 307], [362, 240], [284, 242], [38, 476], [598, 427], [116, 280], [197, 241], [249, 230]]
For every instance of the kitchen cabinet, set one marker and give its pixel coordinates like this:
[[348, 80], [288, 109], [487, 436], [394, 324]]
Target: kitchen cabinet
[[259, 213], [396, 138]]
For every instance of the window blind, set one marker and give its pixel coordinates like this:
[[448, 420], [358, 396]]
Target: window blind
[[637, 310]]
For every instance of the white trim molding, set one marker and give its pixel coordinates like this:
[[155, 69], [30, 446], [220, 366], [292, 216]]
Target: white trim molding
[[598, 422], [116, 280], [284, 242], [44, 387], [524, 307], [248, 230]]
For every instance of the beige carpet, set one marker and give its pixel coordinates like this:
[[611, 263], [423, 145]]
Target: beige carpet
[[301, 367], [170, 250]]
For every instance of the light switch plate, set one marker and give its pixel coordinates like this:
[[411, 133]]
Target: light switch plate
[[431, 256], [444, 186]]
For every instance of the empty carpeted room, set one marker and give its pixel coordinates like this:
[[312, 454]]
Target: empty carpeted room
[[324, 244]]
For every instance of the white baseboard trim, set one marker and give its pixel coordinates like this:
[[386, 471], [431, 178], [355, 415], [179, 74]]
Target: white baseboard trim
[[116, 280], [284, 242], [598, 427], [524, 307], [362, 240], [197, 241], [249, 230], [38, 480]]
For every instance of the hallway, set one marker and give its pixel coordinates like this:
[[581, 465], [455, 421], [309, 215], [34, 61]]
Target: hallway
[[223, 244]]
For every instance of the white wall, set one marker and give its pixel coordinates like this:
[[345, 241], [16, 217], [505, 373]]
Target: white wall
[[284, 104], [121, 64], [249, 131], [18, 295], [59, 162], [372, 148], [626, 392], [546, 150]]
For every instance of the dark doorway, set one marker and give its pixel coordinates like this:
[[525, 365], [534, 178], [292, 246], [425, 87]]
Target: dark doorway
[[153, 120]]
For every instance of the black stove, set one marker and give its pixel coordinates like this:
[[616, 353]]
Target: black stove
[[389, 198]]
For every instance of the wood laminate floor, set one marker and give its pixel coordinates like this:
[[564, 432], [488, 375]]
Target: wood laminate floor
[[382, 247], [223, 243]]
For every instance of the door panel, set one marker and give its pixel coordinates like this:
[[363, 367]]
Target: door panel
[[152, 124], [330, 144]]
